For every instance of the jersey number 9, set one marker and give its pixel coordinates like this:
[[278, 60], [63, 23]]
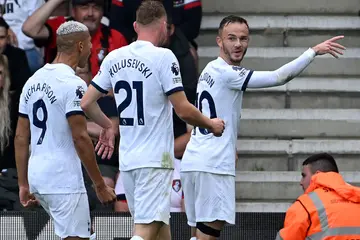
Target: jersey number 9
[[40, 104]]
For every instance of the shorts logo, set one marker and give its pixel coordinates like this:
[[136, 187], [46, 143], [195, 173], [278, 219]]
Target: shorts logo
[[80, 92], [176, 185], [175, 69]]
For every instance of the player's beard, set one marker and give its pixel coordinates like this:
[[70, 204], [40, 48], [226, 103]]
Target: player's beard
[[230, 58]]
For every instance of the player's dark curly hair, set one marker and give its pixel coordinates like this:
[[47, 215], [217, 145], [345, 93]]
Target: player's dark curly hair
[[231, 19]]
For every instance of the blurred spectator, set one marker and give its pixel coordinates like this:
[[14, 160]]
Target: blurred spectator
[[5, 120], [89, 12], [18, 64], [9, 198], [15, 12], [186, 16]]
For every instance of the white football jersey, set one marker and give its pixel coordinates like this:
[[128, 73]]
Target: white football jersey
[[142, 76], [51, 95], [15, 14], [219, 95]]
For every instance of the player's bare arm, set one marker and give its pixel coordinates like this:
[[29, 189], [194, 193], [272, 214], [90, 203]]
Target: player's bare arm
[[85, 150], [190, 114], [289, 71], [105, 146], [94, 129], [34, 26], [22, 141]]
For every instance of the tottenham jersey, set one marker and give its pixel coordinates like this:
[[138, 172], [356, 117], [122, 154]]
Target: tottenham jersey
[[142, 77], [219, 95], [51, 95], [15, 14]]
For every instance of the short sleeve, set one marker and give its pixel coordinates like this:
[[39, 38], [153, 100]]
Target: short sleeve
[[170, 76], [23, 111], [74, 94], [237, 78], [34, 5], [102, 80]]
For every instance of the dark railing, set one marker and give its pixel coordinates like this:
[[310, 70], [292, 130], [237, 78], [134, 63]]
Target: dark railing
[[35, 225]]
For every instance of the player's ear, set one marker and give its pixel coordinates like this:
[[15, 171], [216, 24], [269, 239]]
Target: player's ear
[[219, 41], [136, 27], [172, 29], [81, 46]]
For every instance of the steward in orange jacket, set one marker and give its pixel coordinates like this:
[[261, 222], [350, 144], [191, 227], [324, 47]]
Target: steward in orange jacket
[[330, 207]]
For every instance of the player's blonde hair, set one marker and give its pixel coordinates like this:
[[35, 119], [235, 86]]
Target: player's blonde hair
[[150, 11], [5, 122], [69, 34], [70, 27]]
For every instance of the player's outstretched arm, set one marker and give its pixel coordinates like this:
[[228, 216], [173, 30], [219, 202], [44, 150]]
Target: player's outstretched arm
[[85, 150], [190, 114], [105, 146], [289, 71]]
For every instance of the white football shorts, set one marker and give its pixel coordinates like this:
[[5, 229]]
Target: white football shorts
[[208, 197], [148, 194], [69, 212]]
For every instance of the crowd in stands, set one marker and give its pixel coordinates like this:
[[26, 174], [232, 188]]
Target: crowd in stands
[[28, 42]]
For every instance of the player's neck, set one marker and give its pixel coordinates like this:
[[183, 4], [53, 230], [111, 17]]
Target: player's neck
[[149, 38], [67, 59], [228, 61]]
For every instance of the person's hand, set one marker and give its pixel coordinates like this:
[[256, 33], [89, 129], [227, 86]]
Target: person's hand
[[105, 193], [105, 145], [12, 38], [26, 198], [330, 46], [217, 127]]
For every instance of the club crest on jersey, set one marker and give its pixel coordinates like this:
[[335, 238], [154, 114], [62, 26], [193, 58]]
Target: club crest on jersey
[[176, 185], [236, 68], [80, 92], [175, 69], [241, 70]]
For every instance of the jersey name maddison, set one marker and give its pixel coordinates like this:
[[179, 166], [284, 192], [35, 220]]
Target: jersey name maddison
[[51, 95], [219, 95], [142, 77]]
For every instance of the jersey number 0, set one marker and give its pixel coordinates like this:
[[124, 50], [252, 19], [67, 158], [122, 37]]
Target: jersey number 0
[[205, 95]]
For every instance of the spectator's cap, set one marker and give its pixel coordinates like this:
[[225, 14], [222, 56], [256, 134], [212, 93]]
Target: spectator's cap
[[84, 2]]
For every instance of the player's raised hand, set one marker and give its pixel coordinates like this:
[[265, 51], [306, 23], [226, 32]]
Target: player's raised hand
[[330, 46], [218, 126], [105, 145], [105, 194], [26, 198]]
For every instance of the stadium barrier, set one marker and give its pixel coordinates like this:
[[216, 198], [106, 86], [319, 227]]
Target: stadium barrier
[[36, 225]]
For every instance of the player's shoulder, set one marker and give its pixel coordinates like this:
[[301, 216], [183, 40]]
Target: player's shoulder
[[226, 70], [163, 54], [116, 53]]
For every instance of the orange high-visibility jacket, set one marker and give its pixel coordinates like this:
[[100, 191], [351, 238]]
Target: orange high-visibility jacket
[[329, 210]]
